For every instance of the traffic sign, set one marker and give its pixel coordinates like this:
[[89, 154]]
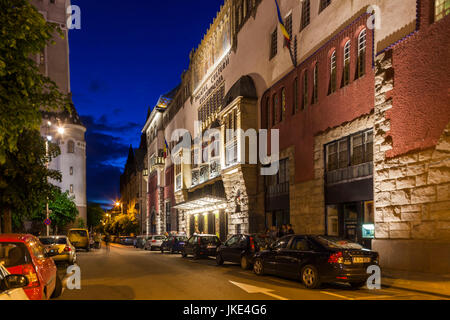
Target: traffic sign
[[47, 222]]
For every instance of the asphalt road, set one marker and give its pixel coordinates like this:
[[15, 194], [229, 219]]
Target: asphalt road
[[126, 273]]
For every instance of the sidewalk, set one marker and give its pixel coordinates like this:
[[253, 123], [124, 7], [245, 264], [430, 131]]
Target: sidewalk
[[416, 281]]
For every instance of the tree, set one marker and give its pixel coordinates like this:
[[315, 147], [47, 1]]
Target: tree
[[63, 210], [95, 214], [24, 178], [24, 90]]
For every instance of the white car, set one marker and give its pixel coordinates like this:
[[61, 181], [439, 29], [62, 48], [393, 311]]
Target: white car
[[154, 242], [11, 286]]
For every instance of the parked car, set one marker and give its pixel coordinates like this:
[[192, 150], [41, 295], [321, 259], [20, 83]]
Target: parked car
[[239, 249], [66, 251], [11, 286], [154, 242], [80, 238], [316, 259], [126, 241], [173, 244], [25, 255], [140, 241], [202, 245]]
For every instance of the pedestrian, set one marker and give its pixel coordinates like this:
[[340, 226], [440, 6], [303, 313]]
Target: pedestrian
[[290, 230], [107, 240]]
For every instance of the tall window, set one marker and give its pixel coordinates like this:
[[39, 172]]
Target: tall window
[[324, 4], [283, 104], [362, 43], [71, 188], [274, 111], [268, 112], [332, 73], [71, 147], [305, 90], [306, 13], [346, 71], [273, 43], [288, 25], [295, 109], [315, 95], [71, 171], [441, 9]]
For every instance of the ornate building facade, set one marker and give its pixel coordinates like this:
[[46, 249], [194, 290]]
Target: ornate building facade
[[340, 102]]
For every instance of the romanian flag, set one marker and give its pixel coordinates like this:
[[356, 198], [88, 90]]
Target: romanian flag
[[166, 148], [282, 27]]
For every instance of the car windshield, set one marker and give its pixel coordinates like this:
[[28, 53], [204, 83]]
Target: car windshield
[[332, 242], [210, 240], [13, 254], [47, 241], [159, 238], [81, 233], [61, 241]]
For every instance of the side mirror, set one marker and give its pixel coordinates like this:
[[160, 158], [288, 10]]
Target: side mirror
[[15, 281]]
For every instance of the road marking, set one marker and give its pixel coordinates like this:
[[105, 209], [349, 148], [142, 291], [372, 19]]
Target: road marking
[[252, 289], [337, 295]]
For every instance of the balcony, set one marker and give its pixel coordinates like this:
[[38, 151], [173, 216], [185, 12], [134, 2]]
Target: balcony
[[205, 172], [157, 161], [231, 153], [178, 182], [360, 171]]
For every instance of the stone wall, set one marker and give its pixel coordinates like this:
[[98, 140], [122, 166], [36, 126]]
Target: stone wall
[[412, 192]]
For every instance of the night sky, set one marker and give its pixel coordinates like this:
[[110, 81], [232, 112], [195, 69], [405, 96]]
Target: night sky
[[125, 56]]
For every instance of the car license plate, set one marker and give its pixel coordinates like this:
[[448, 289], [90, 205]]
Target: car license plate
[[361, 260]]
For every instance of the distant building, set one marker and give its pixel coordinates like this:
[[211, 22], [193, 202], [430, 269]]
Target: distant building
[[133, 184], [54, 63]]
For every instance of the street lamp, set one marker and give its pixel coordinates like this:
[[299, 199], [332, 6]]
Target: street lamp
[[119, 204], [48, 139]]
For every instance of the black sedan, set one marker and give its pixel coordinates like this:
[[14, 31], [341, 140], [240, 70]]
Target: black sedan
[[316, 259], [201, 245], [239, 249], [173, 244]]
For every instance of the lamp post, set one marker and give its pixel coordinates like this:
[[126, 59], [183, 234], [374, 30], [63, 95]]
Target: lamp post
[[117, 204], [48, 139]]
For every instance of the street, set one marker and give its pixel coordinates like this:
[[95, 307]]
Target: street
[[126, 273]]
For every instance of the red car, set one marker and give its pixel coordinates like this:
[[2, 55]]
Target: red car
[[24, 254]]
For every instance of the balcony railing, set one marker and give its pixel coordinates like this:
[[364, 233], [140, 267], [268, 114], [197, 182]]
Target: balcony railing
[[350, 173], [205, 172], [156, 161]]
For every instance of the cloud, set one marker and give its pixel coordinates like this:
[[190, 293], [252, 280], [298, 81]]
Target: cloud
[[103, 125]]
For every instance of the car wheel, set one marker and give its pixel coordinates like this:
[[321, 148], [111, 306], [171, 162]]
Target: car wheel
[[219, 259], [358, 285], [245, 265], [171, 251], [88, 248], [196, 255], [310, 277], [258, 267], [58, 288], [183, 254], [162, 250]]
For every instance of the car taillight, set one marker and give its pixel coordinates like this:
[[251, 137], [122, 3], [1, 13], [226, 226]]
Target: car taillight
[[153, 241], [67, 249], [29, 271], [252, 244], [336, 258]]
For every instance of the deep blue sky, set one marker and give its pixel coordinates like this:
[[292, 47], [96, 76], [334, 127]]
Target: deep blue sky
[[125, 56]]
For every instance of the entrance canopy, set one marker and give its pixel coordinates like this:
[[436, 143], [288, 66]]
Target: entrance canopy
[[202, 205]]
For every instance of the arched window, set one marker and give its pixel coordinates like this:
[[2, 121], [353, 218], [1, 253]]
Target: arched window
[[346, 71], [71, 147], [274, 109], [315, 96], [295, 109], [283, 104], [362, 43], [305, 90], [332, 72]]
